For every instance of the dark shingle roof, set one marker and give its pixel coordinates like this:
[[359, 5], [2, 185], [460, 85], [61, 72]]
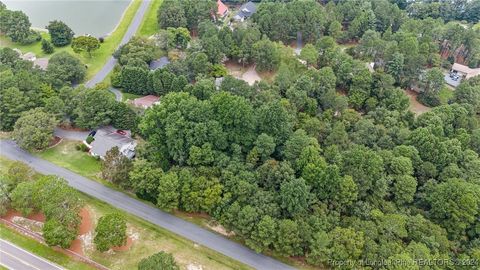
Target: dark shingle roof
[[159, 63], [247, 10]]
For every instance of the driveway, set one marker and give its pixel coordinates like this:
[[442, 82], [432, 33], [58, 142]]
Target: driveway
[[71, 134], [132, 29], [145, 211], [16, 258]]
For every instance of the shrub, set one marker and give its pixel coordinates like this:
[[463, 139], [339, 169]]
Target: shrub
[[82, 147], [111, 231], [89, 139], [47, 47], [161, 260]]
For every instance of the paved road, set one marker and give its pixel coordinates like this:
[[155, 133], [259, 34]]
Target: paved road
[[132, 29], [145, 211], [16, 258], [117, 93]]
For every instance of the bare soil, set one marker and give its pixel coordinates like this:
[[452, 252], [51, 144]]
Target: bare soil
[[416, 107]]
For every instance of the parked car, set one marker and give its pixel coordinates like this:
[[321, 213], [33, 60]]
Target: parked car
[[121, 132]]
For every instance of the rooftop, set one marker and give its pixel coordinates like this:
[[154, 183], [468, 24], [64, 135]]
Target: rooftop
[[159, 63], [146, 101], [464, 69], [108, 138]]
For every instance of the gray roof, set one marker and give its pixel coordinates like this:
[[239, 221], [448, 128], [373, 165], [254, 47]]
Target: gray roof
[[159, 63], [106, 140], [247, 10]]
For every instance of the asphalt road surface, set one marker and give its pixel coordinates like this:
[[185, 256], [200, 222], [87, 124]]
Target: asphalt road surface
[[132, 29], [15, 258], [145, 211]]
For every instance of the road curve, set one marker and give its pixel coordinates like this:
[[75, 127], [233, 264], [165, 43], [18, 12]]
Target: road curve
[[118, 94], [132, 29], [16, 258], [152, 214]]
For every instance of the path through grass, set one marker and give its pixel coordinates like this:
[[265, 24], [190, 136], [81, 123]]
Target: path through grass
[[149, 24]]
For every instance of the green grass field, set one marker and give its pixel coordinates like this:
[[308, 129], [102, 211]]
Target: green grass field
[[149, 24], [40, 249], [99, 57], [65, 155]]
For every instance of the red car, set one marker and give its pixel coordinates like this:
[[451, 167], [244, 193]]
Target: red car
[[121, 132]]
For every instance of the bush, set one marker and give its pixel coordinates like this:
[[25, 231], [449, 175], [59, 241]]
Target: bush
[[47, 47], [111, 231], [101, 39], [82, 147], [56, 234], [160, 261], [89, 139]]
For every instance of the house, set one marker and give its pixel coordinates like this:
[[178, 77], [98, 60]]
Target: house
[[28, 56], [464, 71], [41, 63], [107, 138], [222, 9], [159, 63], [246, 11], [146, 101]]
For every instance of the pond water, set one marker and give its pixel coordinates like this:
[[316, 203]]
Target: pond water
[[95, 17]]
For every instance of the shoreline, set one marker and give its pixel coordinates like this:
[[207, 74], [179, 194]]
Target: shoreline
[[121, 19]]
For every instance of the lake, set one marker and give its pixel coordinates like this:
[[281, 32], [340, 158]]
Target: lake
[[95, 17]]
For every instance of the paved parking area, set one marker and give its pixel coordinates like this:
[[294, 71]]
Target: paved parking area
[[451, 82]]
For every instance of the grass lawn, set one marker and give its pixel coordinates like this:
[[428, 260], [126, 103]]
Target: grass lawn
[[445, 95], [149, 240], [40, 249], [99, 57], [65, 155], [149, 24]]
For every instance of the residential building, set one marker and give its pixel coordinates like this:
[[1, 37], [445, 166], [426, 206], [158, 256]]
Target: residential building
[[222, 9], [146, 101], [159, 63], [246, 11], [107, 138], [464, 71]]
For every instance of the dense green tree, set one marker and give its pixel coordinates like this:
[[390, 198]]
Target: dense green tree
[[145, 179], [65, 68], [158, 261], [85, 44], [57, 234], [266, 55], [22, 198], [15, 25], [60, 33], [95, 108], [309, 54], [261, 237], [291, 245], [47, 47], [295, 197], [171, 14], [111, 231], [34, 129], [13, 102], [116, 167], [168, 191], [454, 204]]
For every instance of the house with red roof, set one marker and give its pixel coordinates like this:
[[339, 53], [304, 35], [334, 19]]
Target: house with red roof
[[222, 9]]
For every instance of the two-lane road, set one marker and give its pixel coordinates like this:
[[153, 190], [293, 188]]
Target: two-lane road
[[132, 29], [145, 211], [16, 258]]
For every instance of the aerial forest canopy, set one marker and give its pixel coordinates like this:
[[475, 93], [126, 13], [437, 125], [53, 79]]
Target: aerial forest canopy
[[323, 160]]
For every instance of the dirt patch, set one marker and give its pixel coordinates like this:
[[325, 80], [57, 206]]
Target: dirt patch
[[193, 266], [71, 128], [86, 225], [40, 217], [251, 76], [220, 229], [416, 107], [84, 238], [76, 247], [54, 141]]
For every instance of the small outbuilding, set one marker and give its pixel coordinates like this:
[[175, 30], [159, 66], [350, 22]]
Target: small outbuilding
[[41, 63]]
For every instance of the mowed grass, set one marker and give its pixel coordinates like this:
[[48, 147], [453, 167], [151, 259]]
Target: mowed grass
[[149, 239], [149, 24], [40, 249], [129, 96], [65, 155], [99, 57]]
